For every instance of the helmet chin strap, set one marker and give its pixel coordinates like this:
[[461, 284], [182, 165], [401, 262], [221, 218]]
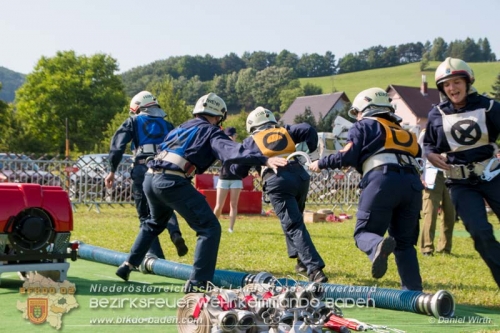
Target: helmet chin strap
[[220, 121]]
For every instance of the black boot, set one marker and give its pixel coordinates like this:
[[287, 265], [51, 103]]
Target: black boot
[[180, 245], [192, 286], [124, 271], [318, 276], [384, 249], [300, 267]]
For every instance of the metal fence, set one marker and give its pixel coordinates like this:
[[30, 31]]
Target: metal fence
[[85, 183]]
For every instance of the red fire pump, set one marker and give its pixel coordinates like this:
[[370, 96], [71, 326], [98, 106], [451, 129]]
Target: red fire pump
[[35, 229]]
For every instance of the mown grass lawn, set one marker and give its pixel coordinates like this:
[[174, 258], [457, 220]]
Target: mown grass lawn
[[257, 244]]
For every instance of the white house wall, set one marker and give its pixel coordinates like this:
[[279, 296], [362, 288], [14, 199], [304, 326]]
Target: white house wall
[[404, 111]]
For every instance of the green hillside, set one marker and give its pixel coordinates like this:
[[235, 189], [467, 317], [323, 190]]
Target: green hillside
[[405, 75], [10, 81]]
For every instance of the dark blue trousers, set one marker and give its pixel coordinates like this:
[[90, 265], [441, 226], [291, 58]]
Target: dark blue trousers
[[468, 200], [141, 204], [287, 192], [165, 194], [390, 202]]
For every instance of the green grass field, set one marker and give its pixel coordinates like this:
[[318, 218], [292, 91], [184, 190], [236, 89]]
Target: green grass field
[[258, 245], [486, 74]]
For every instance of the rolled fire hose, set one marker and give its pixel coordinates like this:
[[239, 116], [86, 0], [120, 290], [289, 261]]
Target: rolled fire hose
[[186, 309]]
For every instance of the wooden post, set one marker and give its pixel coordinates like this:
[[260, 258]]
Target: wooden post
[[67, 140]]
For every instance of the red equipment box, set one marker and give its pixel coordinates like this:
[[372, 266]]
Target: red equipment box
[[250, 200]]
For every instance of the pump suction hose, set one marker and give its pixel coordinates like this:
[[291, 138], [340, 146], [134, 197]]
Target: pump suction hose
[[441, 304]]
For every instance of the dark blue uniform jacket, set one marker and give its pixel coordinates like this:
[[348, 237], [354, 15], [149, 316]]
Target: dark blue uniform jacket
[[367, 137], [435, 139], [202, 143]]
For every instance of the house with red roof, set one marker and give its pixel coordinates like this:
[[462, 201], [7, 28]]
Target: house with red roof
[[412, 103]]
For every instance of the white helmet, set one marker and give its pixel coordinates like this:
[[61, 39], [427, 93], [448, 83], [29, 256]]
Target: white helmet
[[371, 102], [258, 117], [452, 67], [142, 100], [211, 105]]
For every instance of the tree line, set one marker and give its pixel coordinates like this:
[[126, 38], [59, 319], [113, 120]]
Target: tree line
[[205, 68], [381, 57], [84, 95]]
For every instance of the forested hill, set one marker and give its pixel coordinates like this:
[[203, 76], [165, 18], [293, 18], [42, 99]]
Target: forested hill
[[192, 76], [10, 82], [193, 71]]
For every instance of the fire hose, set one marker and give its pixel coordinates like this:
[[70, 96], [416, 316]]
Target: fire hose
[[264, 308], [199, 322], [440, 304]]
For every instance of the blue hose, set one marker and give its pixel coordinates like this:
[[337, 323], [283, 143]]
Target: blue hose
[[441, 304], [224, 279]]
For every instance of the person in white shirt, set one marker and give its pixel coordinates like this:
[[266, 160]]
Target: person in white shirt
[[228, 183]]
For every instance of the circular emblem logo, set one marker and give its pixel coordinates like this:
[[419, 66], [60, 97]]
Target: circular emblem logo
[[466, 132], [152, 130], [275, 141]]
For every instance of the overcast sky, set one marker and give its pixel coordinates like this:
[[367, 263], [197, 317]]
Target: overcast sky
[[137, 33]]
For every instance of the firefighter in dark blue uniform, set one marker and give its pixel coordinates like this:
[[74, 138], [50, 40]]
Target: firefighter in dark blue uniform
[[391, 196], [460, 139], [287, 189], [145, 129], [190, 148]]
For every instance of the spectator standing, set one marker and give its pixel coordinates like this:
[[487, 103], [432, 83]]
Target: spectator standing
[[228, 183], [435, 196]]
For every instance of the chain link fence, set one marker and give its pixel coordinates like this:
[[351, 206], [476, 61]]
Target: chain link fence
[[84, 181]]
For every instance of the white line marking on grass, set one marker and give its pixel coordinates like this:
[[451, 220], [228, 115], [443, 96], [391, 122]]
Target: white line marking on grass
[[113, 278]]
